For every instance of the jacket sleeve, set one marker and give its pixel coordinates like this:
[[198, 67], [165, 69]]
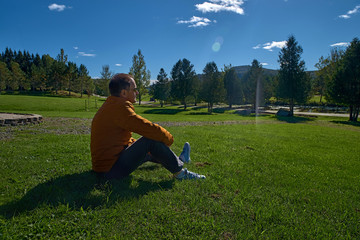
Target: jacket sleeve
[[135, 123]]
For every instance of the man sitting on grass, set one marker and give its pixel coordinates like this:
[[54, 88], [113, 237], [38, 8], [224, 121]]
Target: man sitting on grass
[[114, 153]]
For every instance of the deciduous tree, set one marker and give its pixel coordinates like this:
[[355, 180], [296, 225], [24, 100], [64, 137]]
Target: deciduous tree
[[326, 70], [5, 76], [18, 77], [345, 85], [140, 73]]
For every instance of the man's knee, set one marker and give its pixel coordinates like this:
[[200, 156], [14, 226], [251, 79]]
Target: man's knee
[[152, 142]]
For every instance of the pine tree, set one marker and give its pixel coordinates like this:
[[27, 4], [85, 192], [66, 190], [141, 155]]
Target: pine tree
[[71, 75], [212, 85], [253, 88], [47, 66], [106, 75], [162, 87], [8, 57], [84, 79], [58, 70], [232, 84], [183, 75], [294, 84]]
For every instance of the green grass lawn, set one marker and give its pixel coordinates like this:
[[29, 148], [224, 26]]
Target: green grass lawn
[[316, 99], [267, 178]]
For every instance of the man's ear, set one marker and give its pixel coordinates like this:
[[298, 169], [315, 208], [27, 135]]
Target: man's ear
[[123, 93]]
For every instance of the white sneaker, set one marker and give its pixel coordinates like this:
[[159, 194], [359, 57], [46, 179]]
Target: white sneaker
[[186, 174], [185, 154]]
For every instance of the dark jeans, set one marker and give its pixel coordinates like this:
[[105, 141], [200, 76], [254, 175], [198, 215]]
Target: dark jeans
[[134, 155]]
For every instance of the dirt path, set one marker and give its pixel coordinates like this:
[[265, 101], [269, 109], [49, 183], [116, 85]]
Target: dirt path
[[312, 114]]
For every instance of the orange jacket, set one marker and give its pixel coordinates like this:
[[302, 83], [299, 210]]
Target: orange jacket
[[112, 128]]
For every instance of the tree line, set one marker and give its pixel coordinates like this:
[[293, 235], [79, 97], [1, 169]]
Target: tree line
[[213, 85], [338, 79], [20, 71]]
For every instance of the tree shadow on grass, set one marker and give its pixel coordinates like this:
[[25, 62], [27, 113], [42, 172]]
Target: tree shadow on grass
[[221, 110], [355, 124], [294, 119], [164, 111], [198, 108], [82, 190], [199, 113], [215, 110]]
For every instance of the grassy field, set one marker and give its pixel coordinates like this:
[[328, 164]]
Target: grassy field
[[267, 178]]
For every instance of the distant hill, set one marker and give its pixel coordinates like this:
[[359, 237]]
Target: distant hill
[[242, 70]]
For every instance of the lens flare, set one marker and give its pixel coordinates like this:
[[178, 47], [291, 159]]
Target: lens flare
[[216, 47]]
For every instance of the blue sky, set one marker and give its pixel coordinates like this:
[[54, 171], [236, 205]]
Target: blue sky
[[109, 32]]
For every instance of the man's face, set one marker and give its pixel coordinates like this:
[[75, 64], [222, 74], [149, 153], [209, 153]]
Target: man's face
[[132, 92]]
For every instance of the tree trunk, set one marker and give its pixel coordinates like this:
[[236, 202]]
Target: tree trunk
[[354, 113], [291, 107], [210, 107], [184, 104], [351, 113], [161, 103]]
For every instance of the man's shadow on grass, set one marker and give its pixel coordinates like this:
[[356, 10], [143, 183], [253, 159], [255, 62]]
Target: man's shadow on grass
[[82, 190]]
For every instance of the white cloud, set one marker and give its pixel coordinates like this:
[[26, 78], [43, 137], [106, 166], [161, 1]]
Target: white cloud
[[76, 48], [264, 64], [221, 5], [118, 64], [355, 10], [351, 12], [197, 22], [273, 44], [86, 54], [340, 44], [344, 16], [270, 45], [56, 7]]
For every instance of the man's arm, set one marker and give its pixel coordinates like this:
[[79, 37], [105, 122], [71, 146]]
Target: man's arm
[[135, 123]]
